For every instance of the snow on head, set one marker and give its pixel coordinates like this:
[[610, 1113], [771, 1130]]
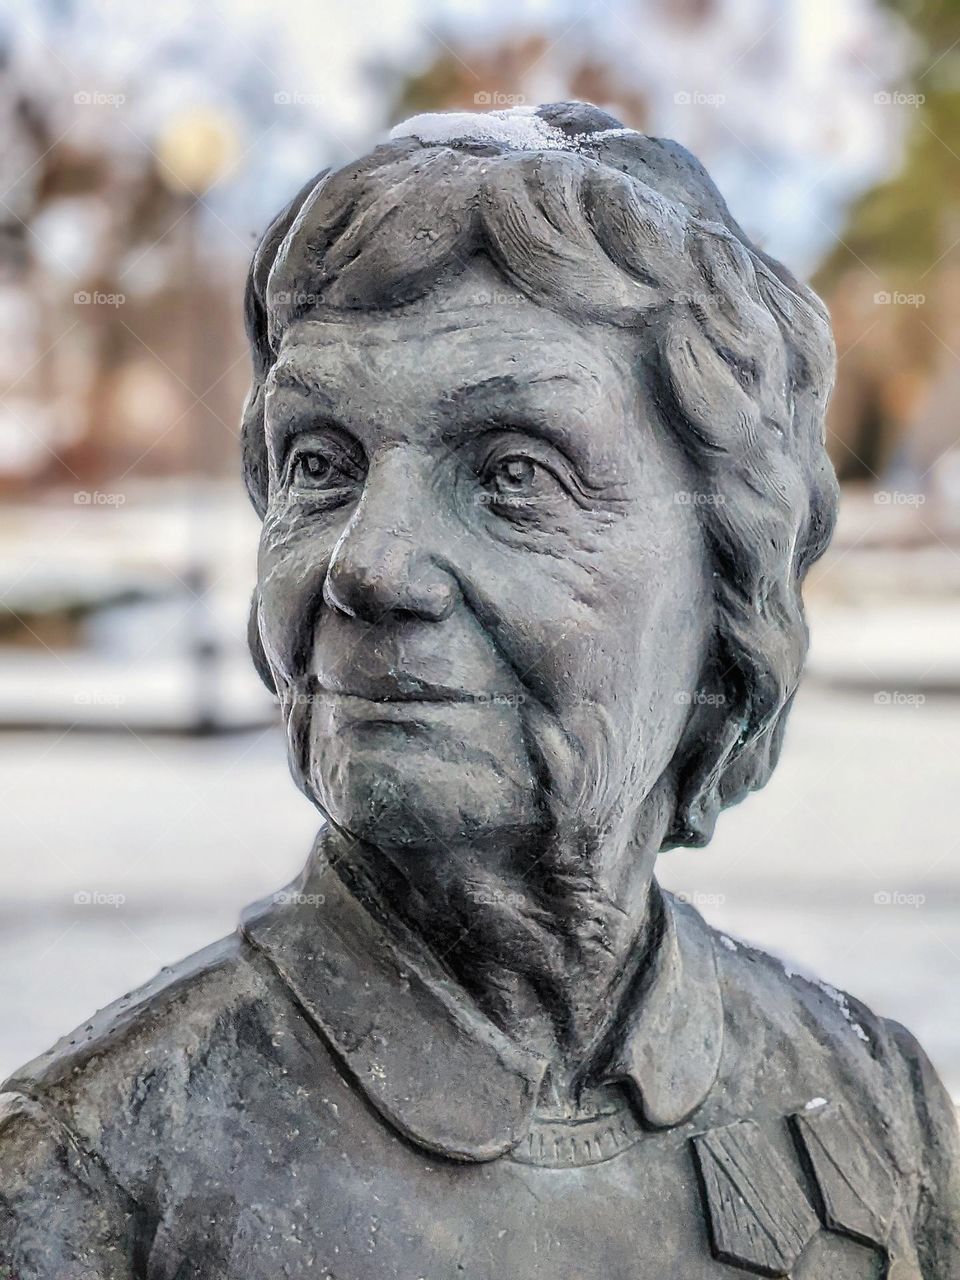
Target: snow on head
[[518, 128]]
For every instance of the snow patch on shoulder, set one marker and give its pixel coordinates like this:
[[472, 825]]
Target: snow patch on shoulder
[[622, 132], [728, 943], [815, 1104], [840, 1000]]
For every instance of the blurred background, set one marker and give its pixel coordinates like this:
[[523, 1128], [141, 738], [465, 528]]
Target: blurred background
[[144, 796]]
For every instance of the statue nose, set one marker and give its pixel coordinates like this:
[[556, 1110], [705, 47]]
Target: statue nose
[[382, 566]]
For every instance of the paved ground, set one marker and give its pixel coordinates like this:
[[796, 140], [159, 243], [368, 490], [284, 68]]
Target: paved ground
[[848, 864]]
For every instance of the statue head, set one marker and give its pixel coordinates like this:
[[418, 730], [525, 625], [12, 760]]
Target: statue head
[[537, 439]]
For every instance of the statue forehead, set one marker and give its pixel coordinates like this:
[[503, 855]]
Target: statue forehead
[[474, 318], [498, 346]]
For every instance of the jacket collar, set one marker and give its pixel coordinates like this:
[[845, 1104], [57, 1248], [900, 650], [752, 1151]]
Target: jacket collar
[[432, 1064], [669, 1047]]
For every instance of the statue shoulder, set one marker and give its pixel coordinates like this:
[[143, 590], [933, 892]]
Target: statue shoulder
[[770, 1008], [61, 1213], [768, 1003], [932, 1124], [126, 1089], [874, 1126], [808, 1041], [169, 1015]]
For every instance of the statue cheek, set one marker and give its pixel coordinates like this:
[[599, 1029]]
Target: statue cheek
[[290, 593], [539, 610]]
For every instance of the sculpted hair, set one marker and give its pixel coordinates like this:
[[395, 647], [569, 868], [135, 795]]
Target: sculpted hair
[[610, 226]]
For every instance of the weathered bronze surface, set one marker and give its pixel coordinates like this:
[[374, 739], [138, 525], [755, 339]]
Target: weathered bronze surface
[[536, 435]]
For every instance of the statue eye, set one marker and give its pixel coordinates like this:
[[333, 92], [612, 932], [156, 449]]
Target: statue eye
[[314, 470], [324, 471], [515, 475], [516, 480]]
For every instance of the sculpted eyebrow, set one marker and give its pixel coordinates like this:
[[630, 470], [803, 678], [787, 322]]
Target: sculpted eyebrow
[[311, 405], [489, 391], [504, 400], [287, 377]]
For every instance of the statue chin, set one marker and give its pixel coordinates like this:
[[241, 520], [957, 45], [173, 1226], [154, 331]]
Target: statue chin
[[403, 807], [394, 792]]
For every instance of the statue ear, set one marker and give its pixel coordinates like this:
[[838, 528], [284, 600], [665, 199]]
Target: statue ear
[[712, 734], [718, 763], [255, 644]]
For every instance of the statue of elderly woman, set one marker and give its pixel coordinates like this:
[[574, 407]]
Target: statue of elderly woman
[[536, 435]]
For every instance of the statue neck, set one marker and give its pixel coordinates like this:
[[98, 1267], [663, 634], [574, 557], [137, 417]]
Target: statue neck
[[545, 937]]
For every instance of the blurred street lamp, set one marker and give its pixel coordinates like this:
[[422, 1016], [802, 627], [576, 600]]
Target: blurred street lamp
[[195, 149]]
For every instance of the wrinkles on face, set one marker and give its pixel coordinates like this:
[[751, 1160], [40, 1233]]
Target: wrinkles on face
[[485, 608], [472, 515]]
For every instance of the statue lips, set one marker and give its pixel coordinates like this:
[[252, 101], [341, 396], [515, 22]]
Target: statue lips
[[410, 665], [374, 699], [394, 687], [405, 697]]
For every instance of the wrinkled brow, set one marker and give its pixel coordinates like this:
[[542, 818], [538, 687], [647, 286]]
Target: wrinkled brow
[[499, 387], [287, 376], [566, 407], [475, 397]]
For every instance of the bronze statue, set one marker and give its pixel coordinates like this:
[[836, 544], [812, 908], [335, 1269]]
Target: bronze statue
[[536, 435]]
